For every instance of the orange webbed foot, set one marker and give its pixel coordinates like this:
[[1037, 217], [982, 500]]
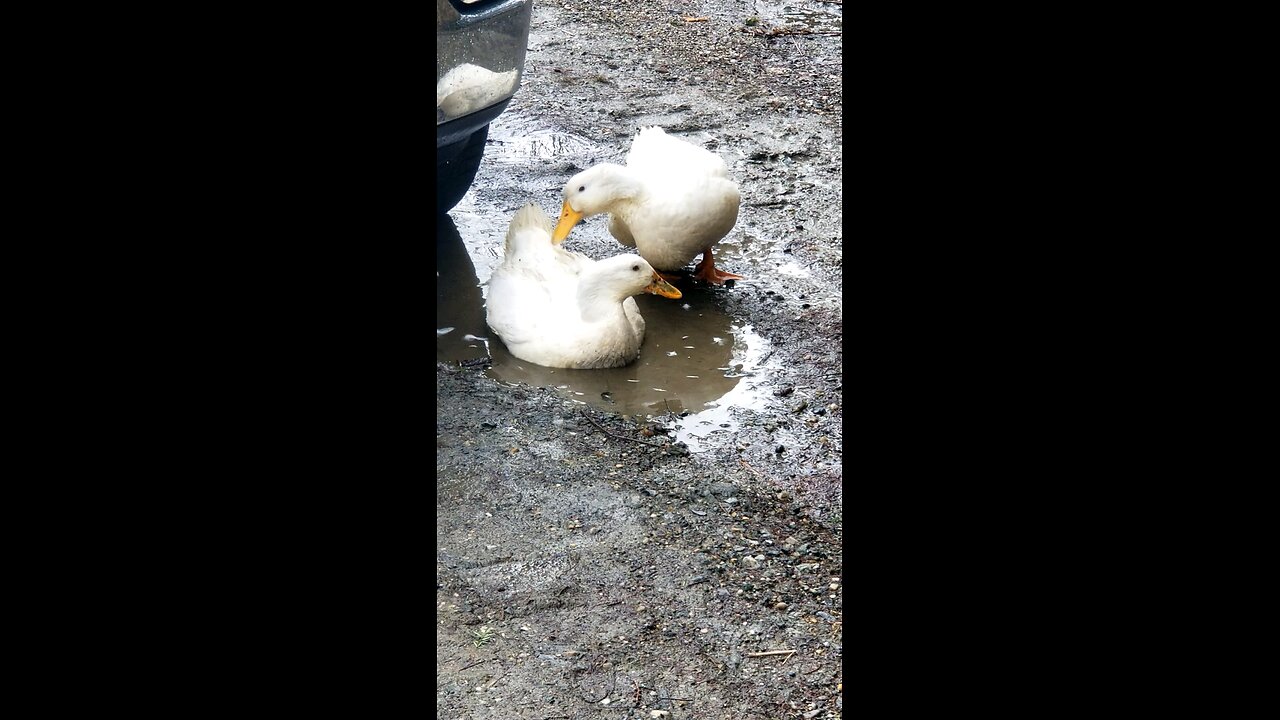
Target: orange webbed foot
[[709, 273]]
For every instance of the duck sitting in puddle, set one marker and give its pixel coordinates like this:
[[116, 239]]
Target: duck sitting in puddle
[[562, 309]]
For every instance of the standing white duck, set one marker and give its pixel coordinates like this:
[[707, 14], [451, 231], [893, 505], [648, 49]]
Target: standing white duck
[[671, 201], [562, 309]]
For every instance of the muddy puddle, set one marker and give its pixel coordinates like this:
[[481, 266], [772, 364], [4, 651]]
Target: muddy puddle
[[518, 139], [696, 364], [802, 15]]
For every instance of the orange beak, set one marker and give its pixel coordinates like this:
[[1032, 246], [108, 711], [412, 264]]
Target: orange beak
[[568, 218], [662, 287]]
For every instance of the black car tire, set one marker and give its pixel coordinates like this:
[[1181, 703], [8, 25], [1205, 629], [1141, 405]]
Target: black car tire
[[456, 167]]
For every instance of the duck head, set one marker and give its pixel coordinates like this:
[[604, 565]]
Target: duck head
[[591, 192], [621, 276]]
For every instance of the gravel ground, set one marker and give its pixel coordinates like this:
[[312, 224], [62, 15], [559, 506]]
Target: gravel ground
[[587, 564]]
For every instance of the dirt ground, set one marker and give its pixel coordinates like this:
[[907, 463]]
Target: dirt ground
[[587, 565]]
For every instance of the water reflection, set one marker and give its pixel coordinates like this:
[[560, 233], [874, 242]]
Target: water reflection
[[519, 139], [459, 301], [751, 391]]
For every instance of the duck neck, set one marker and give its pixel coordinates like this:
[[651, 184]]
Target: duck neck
[[625, 189], [597, 300]]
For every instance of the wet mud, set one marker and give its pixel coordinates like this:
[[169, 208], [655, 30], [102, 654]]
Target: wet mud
[[614, 543]]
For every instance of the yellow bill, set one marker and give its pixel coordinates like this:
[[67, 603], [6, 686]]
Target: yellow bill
[[568, 218], [662, 287]]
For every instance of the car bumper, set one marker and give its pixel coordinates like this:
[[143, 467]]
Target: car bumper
[[480, 51]]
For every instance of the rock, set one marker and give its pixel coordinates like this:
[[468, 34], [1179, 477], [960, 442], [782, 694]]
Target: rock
[[785, 390], [750, 563]]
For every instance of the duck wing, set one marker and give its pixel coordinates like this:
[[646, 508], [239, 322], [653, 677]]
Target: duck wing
[[632, 311], [620, 232], [517, 305]]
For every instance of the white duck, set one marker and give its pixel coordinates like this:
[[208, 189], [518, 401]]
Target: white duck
[[562, 309], [671, 201]]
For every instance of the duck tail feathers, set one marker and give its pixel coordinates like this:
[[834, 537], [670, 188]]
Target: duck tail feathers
[[529, 216]]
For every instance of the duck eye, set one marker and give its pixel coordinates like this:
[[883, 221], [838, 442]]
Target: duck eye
[[582, 188], [635, 267]]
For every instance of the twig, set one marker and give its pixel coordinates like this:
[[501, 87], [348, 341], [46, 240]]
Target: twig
[[491, 682], [771, 652], [620, 437], [696, 19], [475, 664]]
